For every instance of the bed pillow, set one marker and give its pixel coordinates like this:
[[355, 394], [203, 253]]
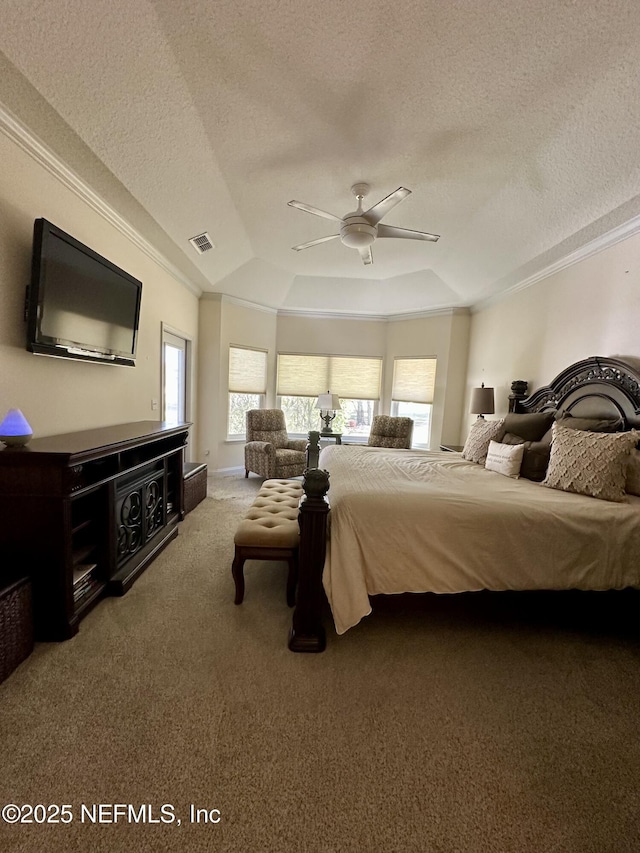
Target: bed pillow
[[536, 461], [531, 427], [477, 443], [590, 463], [590, 424], [536, 455], [504, 458], [633, 474]]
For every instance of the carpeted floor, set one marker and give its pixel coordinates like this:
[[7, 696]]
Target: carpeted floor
[[441, 723]]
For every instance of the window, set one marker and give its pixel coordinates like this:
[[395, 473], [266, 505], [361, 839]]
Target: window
[[247, 386], [174, 378], [353, 419], [300, 413], [412, 394], [356, 380]]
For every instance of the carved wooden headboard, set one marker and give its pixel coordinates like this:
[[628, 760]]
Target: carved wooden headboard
[[595, 387]]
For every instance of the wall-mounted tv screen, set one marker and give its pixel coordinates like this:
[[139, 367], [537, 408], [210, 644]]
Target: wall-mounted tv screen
[[79, 304]]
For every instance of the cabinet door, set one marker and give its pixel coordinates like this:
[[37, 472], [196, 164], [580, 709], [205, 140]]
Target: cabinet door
[[129, 521], [140, 511], [154, 491]]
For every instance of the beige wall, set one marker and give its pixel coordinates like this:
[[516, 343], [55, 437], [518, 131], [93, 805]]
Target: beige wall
[[224, 322], [332, 336], [590, 308], [58, 395], [209, 387], [443, 336]]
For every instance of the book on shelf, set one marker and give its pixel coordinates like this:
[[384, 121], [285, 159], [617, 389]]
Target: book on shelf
[[84, 581], [81, 571]]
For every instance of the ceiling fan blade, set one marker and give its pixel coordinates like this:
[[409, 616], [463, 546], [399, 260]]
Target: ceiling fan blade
[[315, 210], [314, 242], [375, 213], [392, 231], [366, 255]]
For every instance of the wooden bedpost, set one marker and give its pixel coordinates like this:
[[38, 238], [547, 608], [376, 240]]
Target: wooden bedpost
[[518, 392], [313, 449], [307, 633]]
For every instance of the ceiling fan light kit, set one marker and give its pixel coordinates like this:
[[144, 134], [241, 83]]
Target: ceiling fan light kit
[[359, 229], [356, 232]]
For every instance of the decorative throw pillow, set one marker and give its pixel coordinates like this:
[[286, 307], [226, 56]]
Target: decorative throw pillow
[[633, 474], [477, 443], [590, 463], [531, 427], [504, 458], [590, 424]]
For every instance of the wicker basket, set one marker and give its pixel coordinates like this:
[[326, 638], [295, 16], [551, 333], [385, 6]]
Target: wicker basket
[[16, 625], [195, 484]]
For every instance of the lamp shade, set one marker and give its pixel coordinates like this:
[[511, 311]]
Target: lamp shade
[[15, 429], [482, 401], [328, 402]]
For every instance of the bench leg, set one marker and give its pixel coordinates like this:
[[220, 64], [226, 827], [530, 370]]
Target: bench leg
[[237, 570], [246, 473], [292, 580]]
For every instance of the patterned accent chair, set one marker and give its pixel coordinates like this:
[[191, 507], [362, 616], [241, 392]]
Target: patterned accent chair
[[390, 432], [269, 452]]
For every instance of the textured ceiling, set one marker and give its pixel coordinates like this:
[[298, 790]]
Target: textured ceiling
[[515, 125]]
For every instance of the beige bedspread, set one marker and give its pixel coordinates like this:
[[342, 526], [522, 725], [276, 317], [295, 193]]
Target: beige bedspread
[[428, 521]]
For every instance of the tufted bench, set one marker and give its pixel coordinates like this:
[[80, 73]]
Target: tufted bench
[[269, 531]]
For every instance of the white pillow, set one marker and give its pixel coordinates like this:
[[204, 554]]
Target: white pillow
[[477, 443], [504, 458]]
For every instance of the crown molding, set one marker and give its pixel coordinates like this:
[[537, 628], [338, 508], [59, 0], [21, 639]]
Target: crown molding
[[328, 315], [593, 247], [379, 318], [246, 303], [18, 133], [433, 312]]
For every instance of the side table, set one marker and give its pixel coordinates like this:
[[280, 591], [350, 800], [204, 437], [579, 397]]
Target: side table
[[336, 435], [313, 448]]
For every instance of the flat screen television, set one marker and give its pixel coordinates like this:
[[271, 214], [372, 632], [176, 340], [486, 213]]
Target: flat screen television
[[79, 305]]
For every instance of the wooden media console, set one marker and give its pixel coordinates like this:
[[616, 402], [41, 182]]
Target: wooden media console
[[84, 513]]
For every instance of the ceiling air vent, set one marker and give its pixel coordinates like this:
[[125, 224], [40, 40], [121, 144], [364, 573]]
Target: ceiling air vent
[[202, 243]]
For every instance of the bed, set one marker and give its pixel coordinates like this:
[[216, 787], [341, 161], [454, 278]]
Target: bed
[[396, 521]]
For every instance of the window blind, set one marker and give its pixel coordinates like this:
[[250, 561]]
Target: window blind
[[414, 380], [247, 371], [350, 377]]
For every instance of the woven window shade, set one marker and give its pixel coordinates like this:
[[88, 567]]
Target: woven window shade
[[351, 378], [247, 371], [414, 380]]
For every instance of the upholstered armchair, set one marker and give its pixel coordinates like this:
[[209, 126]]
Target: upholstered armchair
[[390, 432], [269, 452]]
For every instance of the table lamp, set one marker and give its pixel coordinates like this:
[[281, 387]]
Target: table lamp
[[327, 403], [482, 401]]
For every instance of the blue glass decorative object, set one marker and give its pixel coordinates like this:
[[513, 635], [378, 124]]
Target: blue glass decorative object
[[14, 429]]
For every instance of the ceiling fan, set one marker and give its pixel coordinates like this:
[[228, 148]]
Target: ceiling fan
[[359, 229]]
